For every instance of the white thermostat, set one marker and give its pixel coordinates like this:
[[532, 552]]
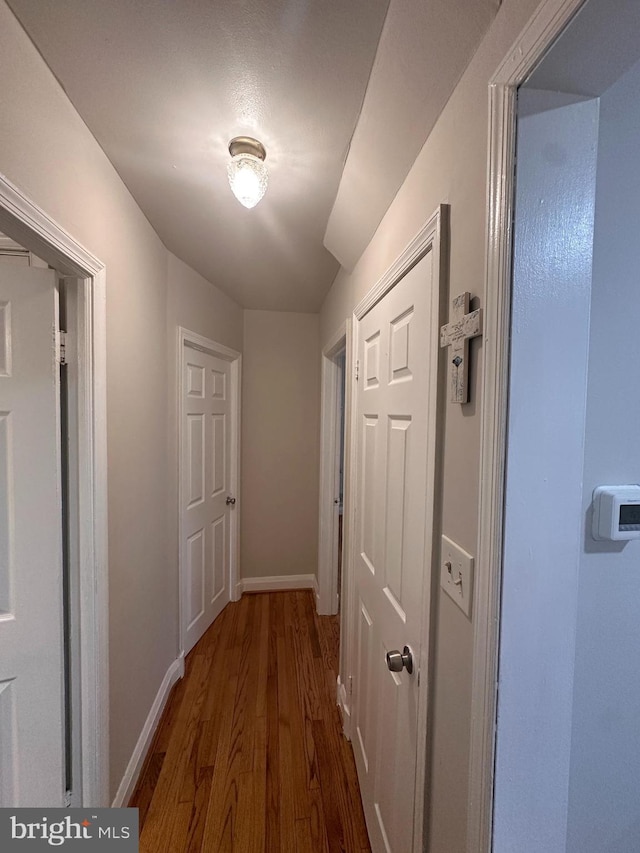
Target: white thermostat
[[616, 512]]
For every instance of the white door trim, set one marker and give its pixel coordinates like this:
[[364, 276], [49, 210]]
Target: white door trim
[[186, 338], [25, 222], [430, 237], [329, 444], [544, 27]]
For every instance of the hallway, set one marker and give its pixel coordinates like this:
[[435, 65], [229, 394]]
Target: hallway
[[249, 754]]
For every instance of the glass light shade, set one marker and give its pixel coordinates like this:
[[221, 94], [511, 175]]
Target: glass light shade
[[248, 178]]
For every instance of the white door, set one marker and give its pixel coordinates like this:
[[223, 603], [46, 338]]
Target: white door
[[31, 648], [206, 512], [397, 349]]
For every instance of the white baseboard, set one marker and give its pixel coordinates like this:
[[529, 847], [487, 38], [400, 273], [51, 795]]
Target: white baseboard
[[131, 774], [278, 582]]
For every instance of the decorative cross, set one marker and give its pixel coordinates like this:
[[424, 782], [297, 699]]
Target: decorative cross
[[456, 334]]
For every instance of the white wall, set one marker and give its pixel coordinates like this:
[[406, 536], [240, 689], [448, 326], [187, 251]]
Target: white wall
[[604, 807], [555, 198], [280, 440], [451, 168]]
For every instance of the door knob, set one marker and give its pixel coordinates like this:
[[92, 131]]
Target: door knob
[[231, 501], [396, 660]]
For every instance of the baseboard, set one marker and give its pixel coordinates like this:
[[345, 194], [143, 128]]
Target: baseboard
[[130, 778], [278, 582]]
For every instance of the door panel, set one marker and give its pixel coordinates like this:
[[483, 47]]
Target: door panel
[[206, 466], [31, 607], [398, 342], [219, 552], [195, 572], [219, 443], [195, 455], [364, 709]]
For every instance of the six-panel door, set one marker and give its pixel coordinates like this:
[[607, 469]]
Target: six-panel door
[[206, 468], [393, 392]]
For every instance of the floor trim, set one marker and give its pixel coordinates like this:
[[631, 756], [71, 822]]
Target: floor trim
[[136, 762], [278, 582]]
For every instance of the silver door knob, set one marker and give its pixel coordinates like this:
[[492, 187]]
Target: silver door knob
[[397, 661], [231, 501]]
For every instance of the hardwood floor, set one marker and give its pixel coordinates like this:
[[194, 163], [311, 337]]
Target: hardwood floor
[[249, 755]]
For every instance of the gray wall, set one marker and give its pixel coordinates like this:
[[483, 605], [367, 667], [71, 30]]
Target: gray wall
[[604, 806], [280, 444]]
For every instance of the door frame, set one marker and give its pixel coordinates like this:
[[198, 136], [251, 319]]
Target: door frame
[[549, 20], [22, 220], [192, 340], [328, 593], [431, 237]]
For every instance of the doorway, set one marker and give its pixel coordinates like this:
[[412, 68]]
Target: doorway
[[86, 501], [332, 469], [568, 732]]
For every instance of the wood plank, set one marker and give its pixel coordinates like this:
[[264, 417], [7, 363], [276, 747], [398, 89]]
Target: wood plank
[[272, 818], [263, 657], [329, 791], [158, 827], [144, 792], [222, 800], [286, 765], [317, 822], [259, 779], [309, 693], [310, 620], [304, 842], [180, 830], [244, 718], [195, 833]]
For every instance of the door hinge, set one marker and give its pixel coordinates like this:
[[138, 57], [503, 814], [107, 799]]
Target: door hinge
[[350, 686], [357, 369], [61, 347]]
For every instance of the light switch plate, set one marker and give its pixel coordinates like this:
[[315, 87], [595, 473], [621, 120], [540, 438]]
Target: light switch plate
[[456, 574]]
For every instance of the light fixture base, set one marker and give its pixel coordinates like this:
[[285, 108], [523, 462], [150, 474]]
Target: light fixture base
[[247, 145]]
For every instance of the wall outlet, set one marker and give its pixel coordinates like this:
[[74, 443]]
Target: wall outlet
[[456, 574]]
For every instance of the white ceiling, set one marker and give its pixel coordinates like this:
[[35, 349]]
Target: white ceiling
[[165, 84]]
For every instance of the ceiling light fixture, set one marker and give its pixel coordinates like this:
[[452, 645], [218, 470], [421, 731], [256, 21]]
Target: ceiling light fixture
[[247, 173]]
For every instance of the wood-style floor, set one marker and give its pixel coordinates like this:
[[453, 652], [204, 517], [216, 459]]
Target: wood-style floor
[[249, 755]]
